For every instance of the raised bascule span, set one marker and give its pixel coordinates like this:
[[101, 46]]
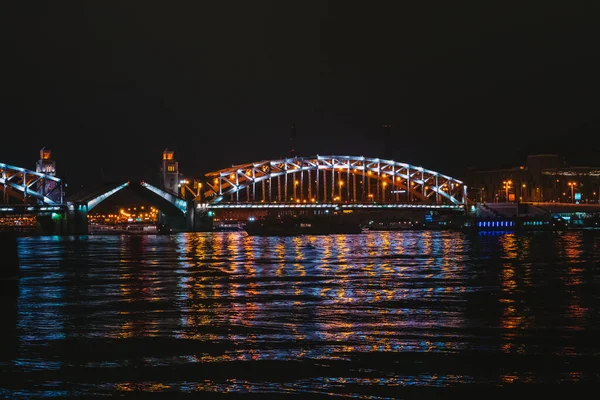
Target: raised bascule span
[[170, 203], [175, 201], [92, 199]]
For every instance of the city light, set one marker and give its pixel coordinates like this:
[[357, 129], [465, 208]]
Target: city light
[[144, 215], [572, 185], [506, 185]]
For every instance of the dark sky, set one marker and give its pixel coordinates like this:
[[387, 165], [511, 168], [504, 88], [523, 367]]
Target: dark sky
[[107, 86]]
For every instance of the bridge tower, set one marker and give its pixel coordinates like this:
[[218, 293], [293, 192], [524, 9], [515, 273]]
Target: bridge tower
[[45, 165], [169, 173]]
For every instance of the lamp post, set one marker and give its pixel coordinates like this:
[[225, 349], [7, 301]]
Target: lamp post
[[340, 183], [572, 184], [506, 187], [295, 189]]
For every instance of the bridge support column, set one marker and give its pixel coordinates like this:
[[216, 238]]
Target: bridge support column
[[177, 223], [52, 223], [198, 218], [9, 295], [77, 223], [9, 267]]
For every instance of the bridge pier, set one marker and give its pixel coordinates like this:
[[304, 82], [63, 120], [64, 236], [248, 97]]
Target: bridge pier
[[9, 267], [177, 223], [52, 223], [198, 219], [77, 223], [9, 295]]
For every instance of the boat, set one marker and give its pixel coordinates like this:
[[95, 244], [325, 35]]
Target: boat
[[141, 230], [515, 224], [302, 225], [402, 225], [227, 227], [583, 223], [436, 222]]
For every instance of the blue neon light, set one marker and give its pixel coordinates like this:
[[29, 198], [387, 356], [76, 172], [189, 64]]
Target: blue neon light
[[179, 203], [94, 202]]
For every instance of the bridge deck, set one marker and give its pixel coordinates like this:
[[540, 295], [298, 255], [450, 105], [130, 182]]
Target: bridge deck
[[421, 206], [30, 208]]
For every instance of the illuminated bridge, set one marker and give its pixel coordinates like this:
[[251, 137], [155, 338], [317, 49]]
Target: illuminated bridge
[[349, 181], [307, 183], [26, 193]]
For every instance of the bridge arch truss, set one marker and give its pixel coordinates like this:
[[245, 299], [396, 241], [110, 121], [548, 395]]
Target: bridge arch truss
[[27, 184], [332, 179]]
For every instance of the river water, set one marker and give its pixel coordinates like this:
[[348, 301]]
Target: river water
[[423, 314]]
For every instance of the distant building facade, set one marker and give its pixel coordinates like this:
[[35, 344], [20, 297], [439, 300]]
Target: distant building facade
[[544, 178]]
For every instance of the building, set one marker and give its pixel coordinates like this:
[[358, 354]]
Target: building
[[45, 164], [173, 181], [544, 178], [169, 173]]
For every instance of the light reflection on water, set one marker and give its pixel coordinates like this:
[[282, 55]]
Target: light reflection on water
[[363, 315]]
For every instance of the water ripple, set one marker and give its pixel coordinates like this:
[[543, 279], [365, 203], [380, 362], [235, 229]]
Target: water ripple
[[377, 315]]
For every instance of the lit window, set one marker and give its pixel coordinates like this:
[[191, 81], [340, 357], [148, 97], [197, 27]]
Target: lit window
[[171, 168]]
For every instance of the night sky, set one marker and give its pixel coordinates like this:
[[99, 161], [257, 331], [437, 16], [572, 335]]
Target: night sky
[[108, 86]]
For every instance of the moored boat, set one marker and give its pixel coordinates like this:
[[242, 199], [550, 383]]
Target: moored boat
[[515, 224], [227, 227], [142, 230], [401, 225], [302, 225]]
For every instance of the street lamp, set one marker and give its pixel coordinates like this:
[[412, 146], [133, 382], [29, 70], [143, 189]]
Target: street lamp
[[295, 186], [340, 183], [506, 187], [572, 184], [480, 193]]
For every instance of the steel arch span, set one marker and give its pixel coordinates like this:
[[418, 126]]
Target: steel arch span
[[340, 179], [25, 184]]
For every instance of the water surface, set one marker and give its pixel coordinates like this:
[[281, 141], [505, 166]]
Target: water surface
[[379, 315]]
